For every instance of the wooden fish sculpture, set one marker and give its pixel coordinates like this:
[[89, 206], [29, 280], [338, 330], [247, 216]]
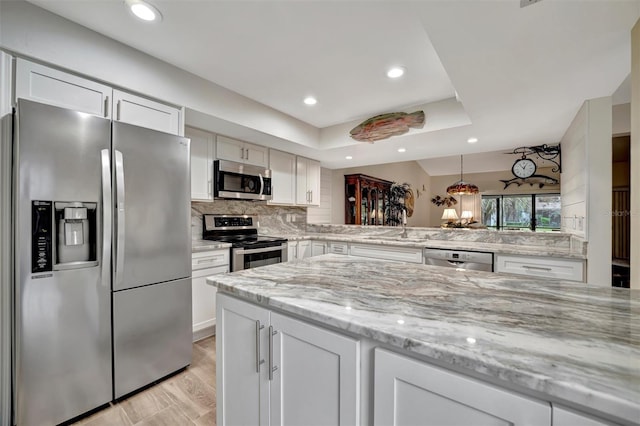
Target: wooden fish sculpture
[[386, 125]]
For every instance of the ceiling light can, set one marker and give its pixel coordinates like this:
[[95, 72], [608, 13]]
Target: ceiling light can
[[472, 140], [396, 72], [402, 149], [143, 10], [310, 100], [348, 157]]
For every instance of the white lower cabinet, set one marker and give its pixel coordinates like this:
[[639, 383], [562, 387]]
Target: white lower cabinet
[[410, 392], [566, 417], [318, 248], [292, 250], [275, 370], [548, 267], [204, 264], [316, 375], [304, 249], [386, 252], [337, 247], [241, 374]]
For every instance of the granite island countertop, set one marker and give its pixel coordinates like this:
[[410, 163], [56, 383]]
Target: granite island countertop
[[561, 340]]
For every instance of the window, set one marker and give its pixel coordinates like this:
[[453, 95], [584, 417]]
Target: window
[[538, 212]]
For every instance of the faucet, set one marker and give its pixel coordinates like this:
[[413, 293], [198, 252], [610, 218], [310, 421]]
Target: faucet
[[404, 231]]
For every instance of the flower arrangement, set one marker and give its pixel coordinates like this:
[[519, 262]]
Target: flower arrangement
[[444, 201]]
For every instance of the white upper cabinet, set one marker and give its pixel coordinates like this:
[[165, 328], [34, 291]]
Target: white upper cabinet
[[50, 86], [283, 177], [143, 112], [241, 152], [202, 153], [307, 182], [54, 87]]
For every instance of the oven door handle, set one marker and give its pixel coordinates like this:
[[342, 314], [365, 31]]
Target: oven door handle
[[260, 250]]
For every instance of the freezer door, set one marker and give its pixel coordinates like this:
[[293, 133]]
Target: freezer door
[[152, 333], [152, 203], [62, 317]]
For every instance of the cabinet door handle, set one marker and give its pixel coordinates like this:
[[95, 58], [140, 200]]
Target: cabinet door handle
[[118, 111], [311, 196], [242, 153], [272, 333], [247, 154], [106, 107], [258, 360], [537, 268]]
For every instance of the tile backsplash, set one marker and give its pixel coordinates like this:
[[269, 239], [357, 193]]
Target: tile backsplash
[[273, 220]]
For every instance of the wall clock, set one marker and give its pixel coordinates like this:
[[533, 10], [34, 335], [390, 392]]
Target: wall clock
[[524, 168]]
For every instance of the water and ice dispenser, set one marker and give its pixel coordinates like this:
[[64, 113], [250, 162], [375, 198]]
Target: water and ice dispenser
[[64, 235]]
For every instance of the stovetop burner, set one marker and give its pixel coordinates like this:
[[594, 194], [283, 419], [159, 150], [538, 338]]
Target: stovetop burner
[[240, 231]]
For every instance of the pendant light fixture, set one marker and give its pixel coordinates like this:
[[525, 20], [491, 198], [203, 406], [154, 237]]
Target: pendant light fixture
[[461, 187]]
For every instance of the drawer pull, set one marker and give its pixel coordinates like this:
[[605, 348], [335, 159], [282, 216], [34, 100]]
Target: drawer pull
[[537, 268], [208, 260]]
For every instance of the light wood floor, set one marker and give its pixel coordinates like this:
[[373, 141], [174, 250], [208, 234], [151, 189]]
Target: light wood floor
[[188, 398]]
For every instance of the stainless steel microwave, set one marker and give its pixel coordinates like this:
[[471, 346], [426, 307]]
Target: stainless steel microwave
[[241, 181]]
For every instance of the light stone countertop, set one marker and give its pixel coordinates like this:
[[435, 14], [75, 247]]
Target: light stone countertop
[[561, 340], [416, 242], [205, 245]]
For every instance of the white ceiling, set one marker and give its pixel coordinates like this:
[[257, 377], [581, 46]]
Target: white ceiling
[[521, 73]]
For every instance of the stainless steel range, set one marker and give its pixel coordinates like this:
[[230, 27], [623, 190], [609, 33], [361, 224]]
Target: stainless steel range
[[248, 249]]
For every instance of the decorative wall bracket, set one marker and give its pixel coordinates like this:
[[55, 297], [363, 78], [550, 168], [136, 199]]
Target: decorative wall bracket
[[544, 152]]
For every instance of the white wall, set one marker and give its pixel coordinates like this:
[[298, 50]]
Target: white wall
[[406, 171], [5, 239], [34, 32], [587, 185], [635, 156], [322, 214]]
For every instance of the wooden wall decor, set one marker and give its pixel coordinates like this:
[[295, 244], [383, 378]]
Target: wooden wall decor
[[386, 125]]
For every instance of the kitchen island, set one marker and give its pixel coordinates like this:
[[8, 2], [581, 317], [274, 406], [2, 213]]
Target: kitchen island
[[571, 349]]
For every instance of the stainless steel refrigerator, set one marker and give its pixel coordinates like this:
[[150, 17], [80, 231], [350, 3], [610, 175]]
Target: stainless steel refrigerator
[[102, 250]]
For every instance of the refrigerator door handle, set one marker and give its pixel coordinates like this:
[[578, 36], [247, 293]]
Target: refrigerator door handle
[[120, 219], [106, 216]]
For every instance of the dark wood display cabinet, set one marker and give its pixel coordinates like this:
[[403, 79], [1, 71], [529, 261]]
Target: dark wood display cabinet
[[366, 200]]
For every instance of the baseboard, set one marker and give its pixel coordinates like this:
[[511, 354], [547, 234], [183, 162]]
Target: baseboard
[[202, 333]]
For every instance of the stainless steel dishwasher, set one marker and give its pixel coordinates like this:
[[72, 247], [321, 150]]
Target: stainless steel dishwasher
[[459, 259]]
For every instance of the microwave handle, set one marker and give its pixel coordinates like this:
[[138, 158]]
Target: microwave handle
[[261, 184]]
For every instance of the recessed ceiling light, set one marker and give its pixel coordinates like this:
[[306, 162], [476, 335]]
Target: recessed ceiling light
[[310, 100], [402, 150], [144, 10], [472, 140], [396, 72], [348, 157]]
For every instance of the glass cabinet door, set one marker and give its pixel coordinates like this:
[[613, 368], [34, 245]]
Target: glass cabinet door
[[364, 209], [374, 206]]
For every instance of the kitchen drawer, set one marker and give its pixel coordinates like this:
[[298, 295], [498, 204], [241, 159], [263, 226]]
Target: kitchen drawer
[[402, 254], [209, 259], [568, 269], [338, 248]]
